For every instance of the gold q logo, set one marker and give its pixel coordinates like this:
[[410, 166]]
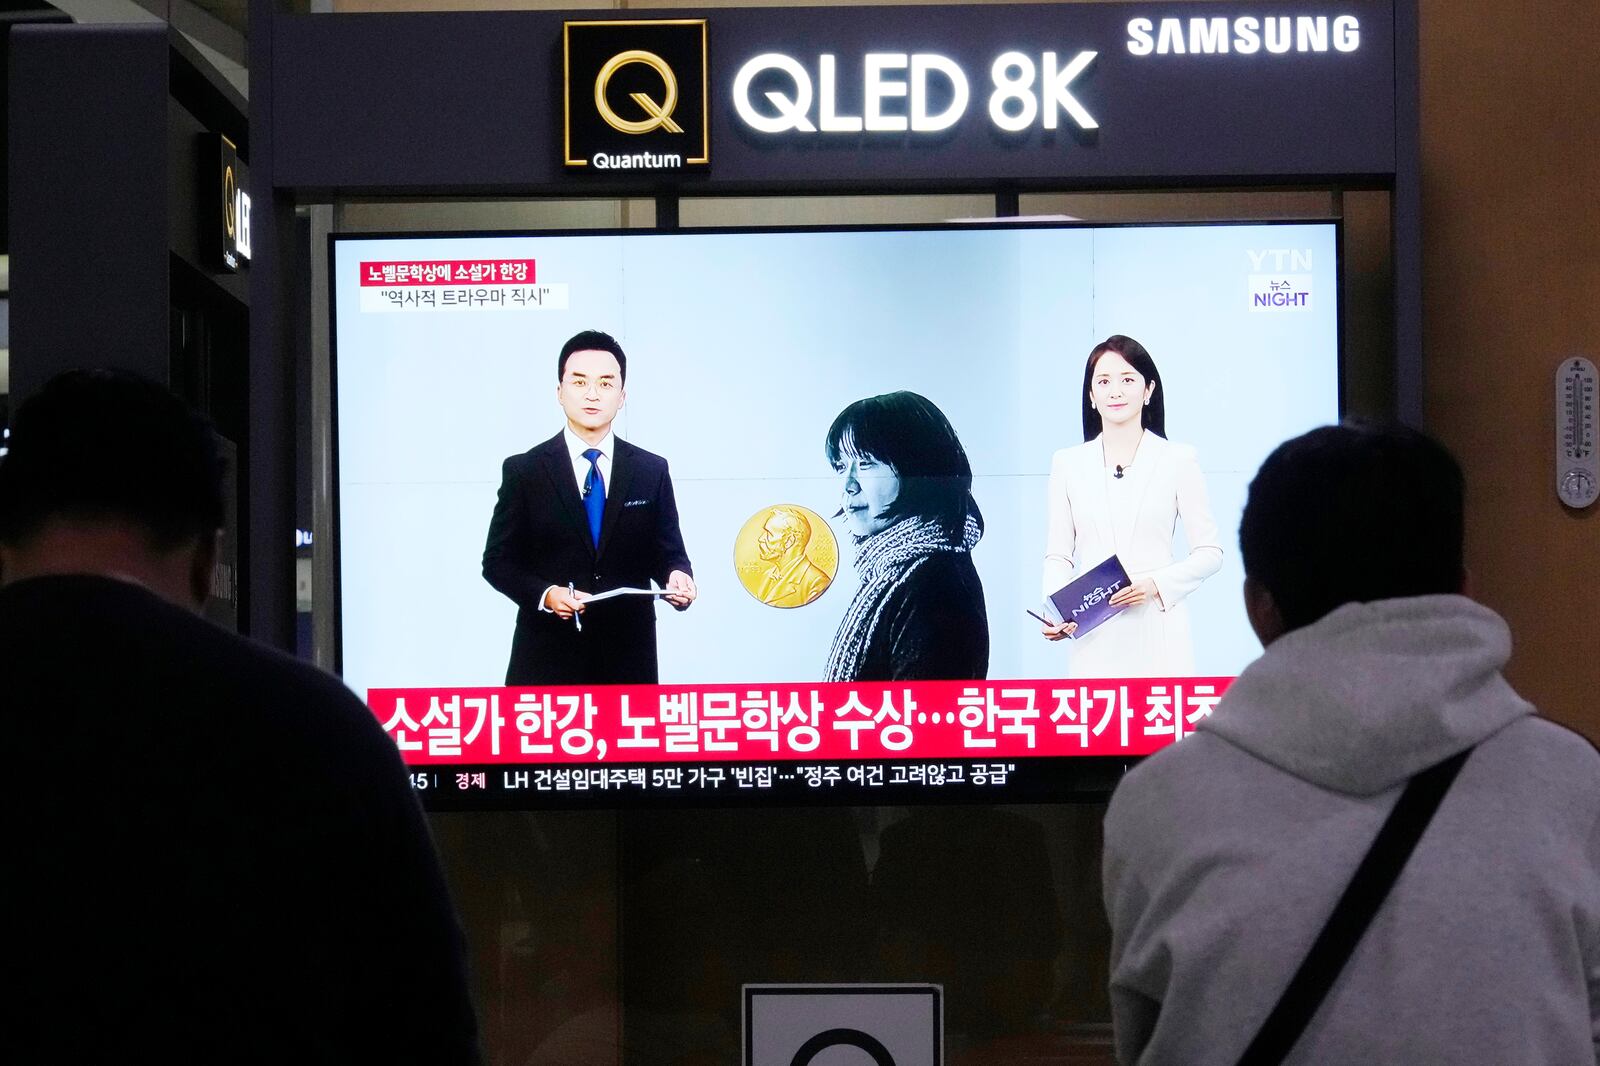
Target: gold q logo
[[227, 200], [660, 113]]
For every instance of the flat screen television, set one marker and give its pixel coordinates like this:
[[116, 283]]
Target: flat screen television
[[855, 637]]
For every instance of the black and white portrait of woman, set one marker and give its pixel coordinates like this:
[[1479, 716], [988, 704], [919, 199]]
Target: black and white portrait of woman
[[906, 502]]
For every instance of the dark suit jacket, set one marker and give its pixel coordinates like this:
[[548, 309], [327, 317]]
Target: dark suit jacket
[[539, 536]]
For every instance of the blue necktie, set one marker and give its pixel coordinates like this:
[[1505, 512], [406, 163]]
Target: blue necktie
[[594, 494]]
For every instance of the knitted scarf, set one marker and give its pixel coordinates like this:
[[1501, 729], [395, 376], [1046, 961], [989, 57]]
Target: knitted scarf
[[885, 561]]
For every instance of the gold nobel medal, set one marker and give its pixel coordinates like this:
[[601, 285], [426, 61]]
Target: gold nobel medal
[[786, 555]]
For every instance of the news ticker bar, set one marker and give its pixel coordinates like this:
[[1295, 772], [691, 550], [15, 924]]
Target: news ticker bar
[[609, 726], [889, 782]]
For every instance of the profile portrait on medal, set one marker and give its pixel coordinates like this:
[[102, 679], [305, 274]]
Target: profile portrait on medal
[[1122, 492], [786, 556], [905, 487]]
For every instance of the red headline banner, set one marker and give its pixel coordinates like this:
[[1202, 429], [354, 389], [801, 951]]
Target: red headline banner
[[449, 272], [832, 721]]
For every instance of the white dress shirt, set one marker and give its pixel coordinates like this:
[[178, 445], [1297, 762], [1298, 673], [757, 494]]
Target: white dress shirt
[[576, 446]]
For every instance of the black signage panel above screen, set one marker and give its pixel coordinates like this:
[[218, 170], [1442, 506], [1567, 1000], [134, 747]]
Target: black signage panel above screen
[[1101, 91], [636, 94], [844, 96]]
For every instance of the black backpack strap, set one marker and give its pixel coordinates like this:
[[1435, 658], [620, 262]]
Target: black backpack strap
[[1378, 872]]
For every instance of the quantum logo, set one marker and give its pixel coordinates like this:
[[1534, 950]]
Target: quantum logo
[[231, 245], [636, 94], [229, 187], [660, 114]]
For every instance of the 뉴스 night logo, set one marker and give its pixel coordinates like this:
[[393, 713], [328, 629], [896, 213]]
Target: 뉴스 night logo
[[1288, 285], [636, 94]]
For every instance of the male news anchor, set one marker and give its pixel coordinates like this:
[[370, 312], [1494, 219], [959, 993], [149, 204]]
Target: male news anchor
[[582, 513]]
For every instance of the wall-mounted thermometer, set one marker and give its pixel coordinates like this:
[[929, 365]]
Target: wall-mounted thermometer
[[1577, 460]]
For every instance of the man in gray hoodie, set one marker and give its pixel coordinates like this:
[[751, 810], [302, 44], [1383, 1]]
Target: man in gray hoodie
[[1225, 854]]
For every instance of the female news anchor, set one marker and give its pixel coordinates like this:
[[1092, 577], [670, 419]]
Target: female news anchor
[[908, 506], [1121, 492]]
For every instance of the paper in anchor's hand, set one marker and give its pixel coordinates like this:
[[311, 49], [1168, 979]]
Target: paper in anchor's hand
[[1087, 599], [608, 593]]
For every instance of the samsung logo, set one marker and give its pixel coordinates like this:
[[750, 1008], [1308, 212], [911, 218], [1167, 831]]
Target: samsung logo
[[1245, 35]]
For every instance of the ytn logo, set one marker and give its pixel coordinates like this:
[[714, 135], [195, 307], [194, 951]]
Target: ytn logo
[[1280, 259]]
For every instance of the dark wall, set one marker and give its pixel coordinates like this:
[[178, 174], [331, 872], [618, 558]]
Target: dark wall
[[113, 180], [89, 171], [1511, 166], [15, 13]]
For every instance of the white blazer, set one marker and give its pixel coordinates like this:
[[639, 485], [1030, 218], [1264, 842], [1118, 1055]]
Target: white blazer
[[1094, 515]]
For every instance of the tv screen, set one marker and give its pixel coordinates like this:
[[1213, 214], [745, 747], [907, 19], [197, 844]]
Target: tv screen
[[881, 462]]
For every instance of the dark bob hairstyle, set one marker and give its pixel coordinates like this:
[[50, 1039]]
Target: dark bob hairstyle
[[1153, 416], [910, 434]]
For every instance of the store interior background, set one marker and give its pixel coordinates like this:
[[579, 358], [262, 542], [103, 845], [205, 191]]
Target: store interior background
[[1511, 271], [1511, 165]]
